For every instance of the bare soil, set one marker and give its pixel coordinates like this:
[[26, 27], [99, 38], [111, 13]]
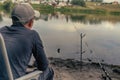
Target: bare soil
[[70, 69]]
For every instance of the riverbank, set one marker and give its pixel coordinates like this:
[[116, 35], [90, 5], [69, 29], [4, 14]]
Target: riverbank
[[69, 69], [91, 8]]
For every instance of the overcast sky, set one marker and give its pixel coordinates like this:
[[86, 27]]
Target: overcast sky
[[111, 0]]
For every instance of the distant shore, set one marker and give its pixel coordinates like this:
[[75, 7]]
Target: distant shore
[[91, 8]]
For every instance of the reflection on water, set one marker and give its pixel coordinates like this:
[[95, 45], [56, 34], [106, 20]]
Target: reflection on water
[[85, 19], [59, 31]]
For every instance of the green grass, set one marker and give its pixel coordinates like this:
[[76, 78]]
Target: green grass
[[70, 10], [43, 8], [1, 6], [115, 13], [91, 8]]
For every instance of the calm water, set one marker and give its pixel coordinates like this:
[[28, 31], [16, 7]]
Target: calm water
[[60, 31]]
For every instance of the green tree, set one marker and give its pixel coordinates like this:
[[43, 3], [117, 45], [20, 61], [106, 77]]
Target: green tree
[[7, 5], [97, 0], [78, 2]]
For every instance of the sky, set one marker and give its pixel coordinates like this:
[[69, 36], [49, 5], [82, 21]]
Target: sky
[[111, 0]]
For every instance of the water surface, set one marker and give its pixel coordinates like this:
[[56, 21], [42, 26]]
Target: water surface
[[61, 31]]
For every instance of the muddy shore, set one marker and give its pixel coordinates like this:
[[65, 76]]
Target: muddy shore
[[69, 69]]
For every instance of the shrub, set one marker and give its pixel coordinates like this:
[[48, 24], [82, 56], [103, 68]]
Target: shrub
[[7, 5], [78, 2]]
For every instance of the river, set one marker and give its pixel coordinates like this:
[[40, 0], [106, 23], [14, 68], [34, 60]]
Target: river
[[59, 31]]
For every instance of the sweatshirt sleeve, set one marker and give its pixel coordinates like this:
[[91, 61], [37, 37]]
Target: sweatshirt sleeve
[[39, 53]]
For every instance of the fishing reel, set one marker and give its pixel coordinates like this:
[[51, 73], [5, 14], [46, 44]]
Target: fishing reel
[[104, 77]]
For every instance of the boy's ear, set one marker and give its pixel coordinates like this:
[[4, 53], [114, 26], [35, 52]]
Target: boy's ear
[[30, 24]]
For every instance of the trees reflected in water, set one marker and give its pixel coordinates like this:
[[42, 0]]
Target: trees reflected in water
[[85, 19]]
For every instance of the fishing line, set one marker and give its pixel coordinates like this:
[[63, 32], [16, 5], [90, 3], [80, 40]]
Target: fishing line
[[76, 29], [81, 46], [100, 64], [78, 38]]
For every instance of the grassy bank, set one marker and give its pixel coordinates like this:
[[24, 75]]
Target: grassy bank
[[71, 10], [115, 13], [1, 6], [91, 8], [67, 10], [43, 8]]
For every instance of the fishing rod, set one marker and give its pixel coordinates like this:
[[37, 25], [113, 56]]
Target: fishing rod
[[106, 77], [81, 49], [82, 35], [91, 51]]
